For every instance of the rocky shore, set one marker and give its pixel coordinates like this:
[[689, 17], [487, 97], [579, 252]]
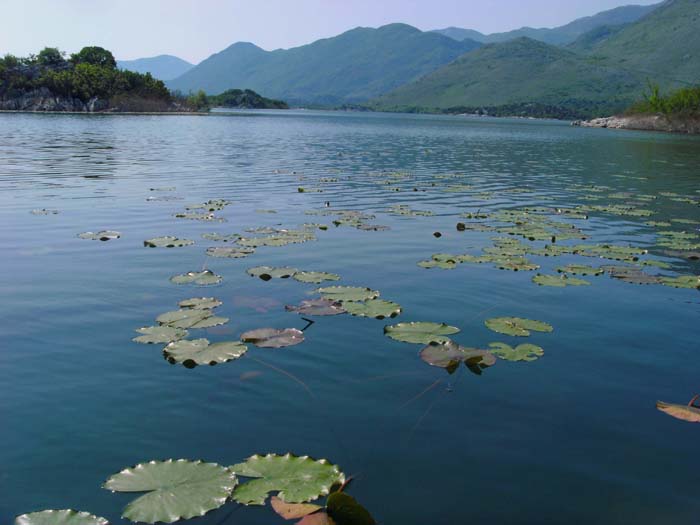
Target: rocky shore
[[670, 124]]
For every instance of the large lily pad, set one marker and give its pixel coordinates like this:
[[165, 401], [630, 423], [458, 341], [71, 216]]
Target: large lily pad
[[200, 303], [191, 318], [376, 308], [105, 235], [525, 352], [267, 272], [295, 479], [448, 354], [204, 278], [60, 517], [315, 277], [229, 252], [202, 352], [320, 307], [167, 242], [174, 490], [558, 281], [159, 335], [348, 293], [273, 337], [517, 326], [420, 332]]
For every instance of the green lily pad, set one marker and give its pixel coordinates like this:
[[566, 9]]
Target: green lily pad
[[191, 318], [443, 265], [174, 490], [229, 252], [167, 242], [320, 307], [343, 509], [420, 332], [517, 326], [267, 272], [448, 354], [295, 479], [217, 237], [376, 308], [348, 293], [204, 278], [105, 235], [60, 517], [202, 352], [315, 277], [580, 269], [682, 281], [525, 352], [200, 303], [159, 334], [273, 337], [559, 281]]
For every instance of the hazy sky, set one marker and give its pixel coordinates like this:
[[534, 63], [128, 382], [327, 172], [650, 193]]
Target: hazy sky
[[194, 29]]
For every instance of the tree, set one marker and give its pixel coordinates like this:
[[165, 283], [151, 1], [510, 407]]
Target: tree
[[51, 56], [199, 100], [96, 56]]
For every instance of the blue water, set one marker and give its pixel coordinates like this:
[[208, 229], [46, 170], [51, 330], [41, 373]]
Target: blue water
[[571, 438]]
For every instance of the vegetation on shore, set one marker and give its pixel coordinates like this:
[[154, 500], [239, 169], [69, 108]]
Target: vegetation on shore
[[683, 103], [89, 76]]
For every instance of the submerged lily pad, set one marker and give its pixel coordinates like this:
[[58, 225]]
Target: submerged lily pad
[[376, 308], [159, 334], [60, 517], [632, 275], [167, 242], [320, 307], [348, 293], [315, 277], [229, 252], [105, 235], [448, 354], [200, 303], [174, 490], [420, 332], [559, 281], [267, 272], [517, 326], [273, 337], [202, 352], [343, 509], [690, 412], [295, 479], [204, 278], [525, 352]]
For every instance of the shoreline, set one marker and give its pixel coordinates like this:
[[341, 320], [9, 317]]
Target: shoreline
[[658, 122]]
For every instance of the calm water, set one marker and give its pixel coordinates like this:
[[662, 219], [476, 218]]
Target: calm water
[[571, 438]]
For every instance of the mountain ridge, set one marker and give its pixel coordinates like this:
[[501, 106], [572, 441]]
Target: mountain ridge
[[162, 67]]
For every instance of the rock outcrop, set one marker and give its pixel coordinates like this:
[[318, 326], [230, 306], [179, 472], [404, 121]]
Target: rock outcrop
[[671, 124], [44, 100]]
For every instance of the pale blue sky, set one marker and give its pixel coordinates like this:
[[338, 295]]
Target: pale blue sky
[[194, 29]]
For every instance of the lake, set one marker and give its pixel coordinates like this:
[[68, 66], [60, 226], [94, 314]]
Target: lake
[[573, 437]]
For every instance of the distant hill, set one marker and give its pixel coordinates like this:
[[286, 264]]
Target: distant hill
[[664, 46], [350, 68], [519, 72], [244, 99], [162, 67], [562, 35]]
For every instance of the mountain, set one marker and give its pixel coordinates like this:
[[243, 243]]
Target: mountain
[[664, 46], [517, 72], [350, 68], [562, 35], [162, 67]]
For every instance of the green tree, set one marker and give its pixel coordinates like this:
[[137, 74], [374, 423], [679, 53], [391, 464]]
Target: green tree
[[51, 56], [96, 56], [199, 100]]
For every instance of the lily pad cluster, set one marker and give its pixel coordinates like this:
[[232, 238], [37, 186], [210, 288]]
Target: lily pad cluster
[[104, 235]]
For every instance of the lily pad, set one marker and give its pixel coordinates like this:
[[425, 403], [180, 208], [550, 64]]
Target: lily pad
[[200, 303], [105, 235], [420, 332], [292, 511], [376, 308], [689, 412], [525, 352], [443, 265], [204, 278], [229, 252], [190, 318], [273, 337], [167, 242], [580, 269], [517, 326], [218, 237], [295, 479], [343, 509], [320, 307], [174, 490], [448, 354], [267, 272], [315, 277], [632, 275], [682, 281], [44, 211], [559, 281], [60, 517], [202, 352], [348, 293], [159, 334]]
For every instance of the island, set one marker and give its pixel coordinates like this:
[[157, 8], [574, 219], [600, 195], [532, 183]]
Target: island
[[244, 99]]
